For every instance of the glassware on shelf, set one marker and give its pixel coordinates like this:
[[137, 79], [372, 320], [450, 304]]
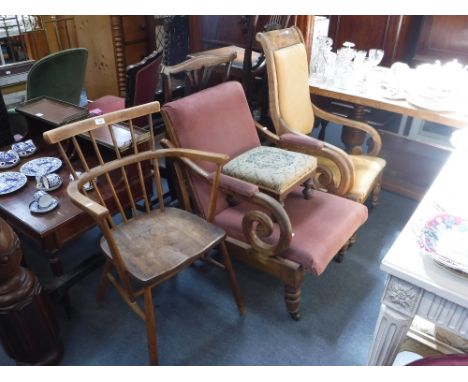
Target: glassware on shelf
[[349, 44], [360, 57], [319, 68], [344, 66], [396, 83], [375, 57], [360, 72]]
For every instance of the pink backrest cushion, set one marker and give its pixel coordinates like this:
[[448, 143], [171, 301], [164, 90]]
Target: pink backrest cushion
[[216, 119]]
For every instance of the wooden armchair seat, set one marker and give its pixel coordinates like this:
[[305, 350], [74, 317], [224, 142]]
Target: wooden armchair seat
[[157, 245]]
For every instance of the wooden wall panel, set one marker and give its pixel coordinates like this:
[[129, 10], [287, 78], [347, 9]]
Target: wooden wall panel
[[94, 33], [36, 44], [443, 38], [208, 32], [394, 34]]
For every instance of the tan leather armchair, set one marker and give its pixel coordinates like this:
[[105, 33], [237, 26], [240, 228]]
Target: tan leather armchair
[[292, 112]]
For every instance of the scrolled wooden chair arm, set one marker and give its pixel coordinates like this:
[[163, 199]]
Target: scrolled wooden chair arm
[[311, 146], [256, 224], [344, 165], [377, 141]]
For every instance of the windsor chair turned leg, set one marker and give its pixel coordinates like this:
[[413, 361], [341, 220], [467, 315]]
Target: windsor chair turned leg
[[232, 278], [150, 320], [104, 283]]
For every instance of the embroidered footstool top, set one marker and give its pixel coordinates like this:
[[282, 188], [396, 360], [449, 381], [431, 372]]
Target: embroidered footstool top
[[271, 168]]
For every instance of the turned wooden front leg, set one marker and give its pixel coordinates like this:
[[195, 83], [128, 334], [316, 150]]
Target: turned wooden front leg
[[399, 306], [353, 138], [375, 197], [292, 297]]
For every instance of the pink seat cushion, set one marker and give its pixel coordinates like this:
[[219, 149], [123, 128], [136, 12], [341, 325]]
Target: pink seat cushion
[[321, 226], [108, 103]]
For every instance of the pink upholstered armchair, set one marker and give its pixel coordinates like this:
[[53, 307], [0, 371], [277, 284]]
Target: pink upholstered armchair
[[287, 241]]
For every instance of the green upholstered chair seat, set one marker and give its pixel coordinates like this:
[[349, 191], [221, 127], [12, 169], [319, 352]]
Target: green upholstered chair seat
[[271, 168]]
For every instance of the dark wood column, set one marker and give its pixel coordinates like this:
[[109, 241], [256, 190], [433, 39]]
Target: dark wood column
[[28, 329]]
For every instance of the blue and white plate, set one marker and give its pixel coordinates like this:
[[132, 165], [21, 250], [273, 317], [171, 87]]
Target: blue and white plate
[[41, 166], [11, 181], [8, 159], [24, 149], [37, 209]]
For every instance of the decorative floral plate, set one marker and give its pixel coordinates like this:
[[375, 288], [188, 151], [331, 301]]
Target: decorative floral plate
[[445, 239], [41, 166], [8, 159], [11, 181]]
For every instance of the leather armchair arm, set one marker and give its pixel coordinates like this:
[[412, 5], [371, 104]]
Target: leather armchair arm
[[289, 140], [377, 141], [258, 223]]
